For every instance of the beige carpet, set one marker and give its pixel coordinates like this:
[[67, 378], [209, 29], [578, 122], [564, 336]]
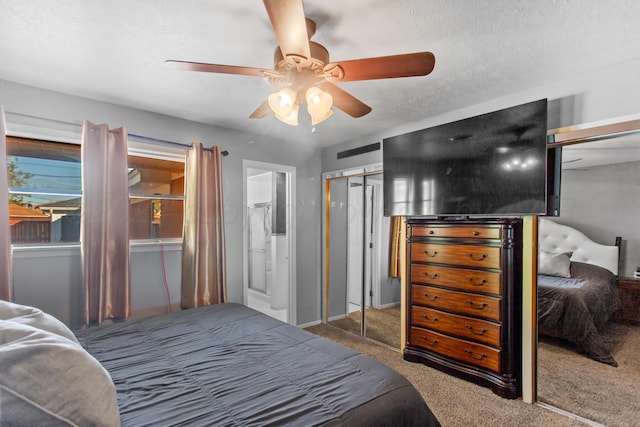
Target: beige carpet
[[455, 402], [382, 325], [593, 390], [566, 379]]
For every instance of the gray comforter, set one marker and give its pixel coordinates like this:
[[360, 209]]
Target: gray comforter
[[230, 365], [578, 308]]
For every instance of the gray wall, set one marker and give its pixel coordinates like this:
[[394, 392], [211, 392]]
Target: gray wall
[[56, 285], [603, 202], [50, 278]]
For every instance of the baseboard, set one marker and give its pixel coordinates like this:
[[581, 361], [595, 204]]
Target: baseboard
[[308, 325], [389, 305]]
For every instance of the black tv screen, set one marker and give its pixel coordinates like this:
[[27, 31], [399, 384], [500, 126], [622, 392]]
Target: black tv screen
[[493, 164]]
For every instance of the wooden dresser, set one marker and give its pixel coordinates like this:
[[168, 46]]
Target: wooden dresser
[[464, 301]]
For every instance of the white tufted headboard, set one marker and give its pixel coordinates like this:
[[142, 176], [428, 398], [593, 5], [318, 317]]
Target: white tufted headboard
[[557, 238]]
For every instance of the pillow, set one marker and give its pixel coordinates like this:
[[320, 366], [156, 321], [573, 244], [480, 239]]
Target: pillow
[[34, 317], [554, 264], [47, 379]]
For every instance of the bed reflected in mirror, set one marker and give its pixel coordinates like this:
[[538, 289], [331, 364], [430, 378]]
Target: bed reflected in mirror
[[588, 359]]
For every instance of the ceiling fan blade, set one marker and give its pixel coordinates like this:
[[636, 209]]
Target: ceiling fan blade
[[383, 67], [345, 101], [262, 111], [215, 68], [288, 22]]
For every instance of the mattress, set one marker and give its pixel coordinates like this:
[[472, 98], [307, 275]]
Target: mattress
[[230, 365]]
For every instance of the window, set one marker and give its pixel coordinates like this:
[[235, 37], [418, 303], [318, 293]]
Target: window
[[45, 193], [156, 195]]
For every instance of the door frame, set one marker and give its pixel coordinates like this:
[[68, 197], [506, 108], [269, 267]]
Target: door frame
[[290, 231]]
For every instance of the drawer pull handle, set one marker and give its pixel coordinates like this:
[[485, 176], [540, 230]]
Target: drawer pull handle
[[480, 283], [431, 276], [470, 353], [435, 297], [425, 317], [432, 232], [431, 343], [482, 332], [429, 255], [476, 306], [482, 257], [476, 233]]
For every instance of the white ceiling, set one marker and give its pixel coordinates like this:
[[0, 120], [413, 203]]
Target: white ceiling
[[114, 51]]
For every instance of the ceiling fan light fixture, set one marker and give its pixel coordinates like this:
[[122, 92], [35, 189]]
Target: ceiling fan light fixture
[[300, 64], [319, 104], [319, 118], [292, 117], [282, 102]]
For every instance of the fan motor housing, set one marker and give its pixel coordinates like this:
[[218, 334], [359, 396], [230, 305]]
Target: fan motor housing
[[318, 53]]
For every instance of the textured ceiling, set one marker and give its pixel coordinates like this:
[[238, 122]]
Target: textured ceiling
[[114, 51]]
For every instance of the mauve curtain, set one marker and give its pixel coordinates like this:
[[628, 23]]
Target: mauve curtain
[[395, 242], [6, 276], [104, 231], [204, 279]]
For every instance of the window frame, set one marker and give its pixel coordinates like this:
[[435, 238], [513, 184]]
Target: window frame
[[137, 146]]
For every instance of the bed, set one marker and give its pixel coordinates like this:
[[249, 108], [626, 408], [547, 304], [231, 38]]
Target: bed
[[223, 364], [577, 289]]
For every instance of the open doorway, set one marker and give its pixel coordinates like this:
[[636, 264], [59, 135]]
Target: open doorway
[[269, 239]]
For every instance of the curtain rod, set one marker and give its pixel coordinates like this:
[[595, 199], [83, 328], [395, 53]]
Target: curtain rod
[[164, 141], [131, 135]]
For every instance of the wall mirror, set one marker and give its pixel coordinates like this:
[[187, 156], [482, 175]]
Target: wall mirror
[[362, 295], [600, 196]]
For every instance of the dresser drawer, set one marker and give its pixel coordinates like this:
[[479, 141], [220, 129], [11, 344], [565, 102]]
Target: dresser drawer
[[453, 324], [464, 255], [472, 353], [459, 278], [457, 302], [464, 232]]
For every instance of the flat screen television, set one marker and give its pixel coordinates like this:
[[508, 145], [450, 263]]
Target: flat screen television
[[494, 164]]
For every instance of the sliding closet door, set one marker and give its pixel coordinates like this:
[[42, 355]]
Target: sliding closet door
[[381, 291], [361, 297], [343, 299]]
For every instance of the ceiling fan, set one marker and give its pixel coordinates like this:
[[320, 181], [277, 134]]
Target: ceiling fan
[[303, 72]]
